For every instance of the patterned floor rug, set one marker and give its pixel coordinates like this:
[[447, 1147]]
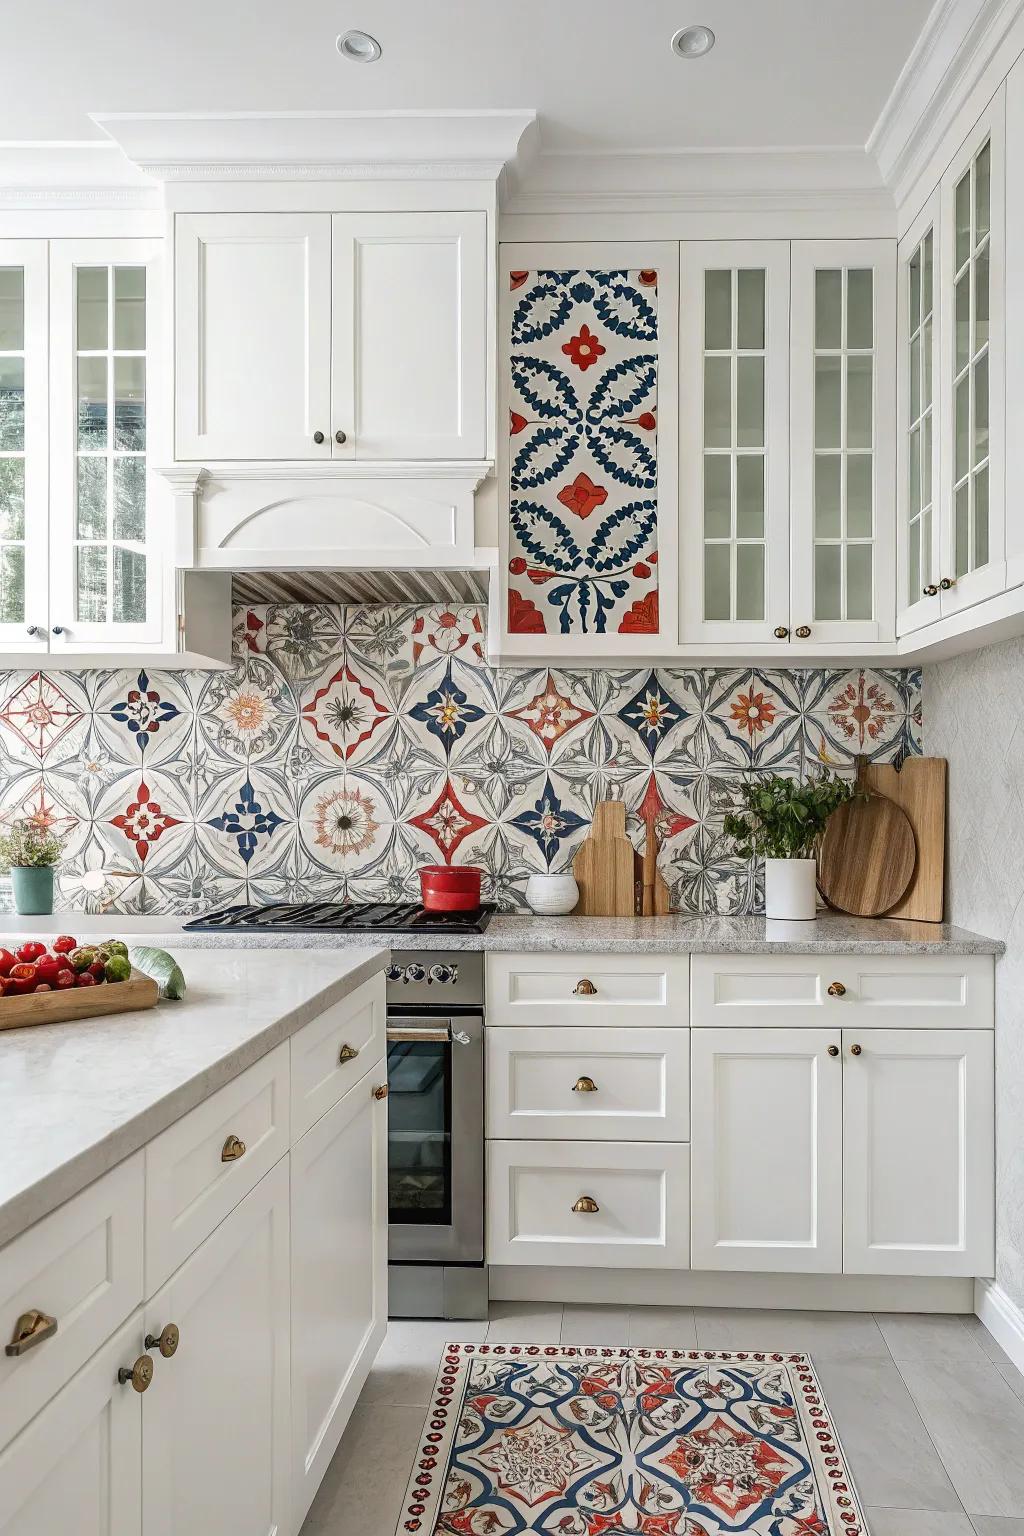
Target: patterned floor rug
[[655, 1442]]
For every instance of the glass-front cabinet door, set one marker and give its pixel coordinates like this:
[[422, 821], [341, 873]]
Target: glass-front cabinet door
[[734, 443], [843, 472], [23, 463], [918, 445], [107, 524]]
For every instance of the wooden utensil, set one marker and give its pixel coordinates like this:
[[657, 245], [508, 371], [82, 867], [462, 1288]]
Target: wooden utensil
[[868, 854], [603, 865], [919, 788], [653, 899], [139, 991]]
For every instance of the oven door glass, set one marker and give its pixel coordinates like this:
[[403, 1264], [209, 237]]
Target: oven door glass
[[419, 1127]]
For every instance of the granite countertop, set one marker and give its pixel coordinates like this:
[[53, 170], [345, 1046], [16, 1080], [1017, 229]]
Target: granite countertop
[[75, 1099], [678, 934]]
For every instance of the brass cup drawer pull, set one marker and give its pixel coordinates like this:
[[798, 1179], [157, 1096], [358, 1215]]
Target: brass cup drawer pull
[[30, 1329], [586, 1205], [836, 989], [138, 1375], [584, 988], [584, 1085], [347, 1053], [166, 1341], [833, 1050], [232, 1150], [381, 1091]]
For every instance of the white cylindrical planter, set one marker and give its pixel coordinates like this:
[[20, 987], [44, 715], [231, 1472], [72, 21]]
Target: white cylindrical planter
[[789, 889], [552, 895]]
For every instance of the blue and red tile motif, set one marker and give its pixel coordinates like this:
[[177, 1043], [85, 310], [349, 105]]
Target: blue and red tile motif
[[583, 426], [589, 1442]]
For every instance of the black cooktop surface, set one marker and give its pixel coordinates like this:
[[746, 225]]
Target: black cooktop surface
[[335, 916]]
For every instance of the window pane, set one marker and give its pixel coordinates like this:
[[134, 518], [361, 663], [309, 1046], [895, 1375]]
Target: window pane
[[91, 597], [92, 499], [828, 468], [828, 309], [717, 496], [926, 549], [982, 195], [981, 300], [717, 402], [962, 220], [92, 402], [914, 302], [717, 581], [858, 402], [915, 378], [914, 565], [858, 495], [981, 518], [750, 402], [750, 581], [827, 402], [914, 472], [130, 309], [717, 311], [129, 586], [980, 410], [12, 584], [926, 462], [750, 496], [828, 581], [130, 402], [858, 581], [91, 290], [962, 427], [12, 403], [12, 498], [962, 322], [130, 499], [926, 275], [859, 308], [926, 366], [12, 309], [750, 307], [962, 524]]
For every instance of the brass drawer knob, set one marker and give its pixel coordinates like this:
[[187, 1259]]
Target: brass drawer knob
[[836, 989], [381, 1091], [586, 1206], [855, 1050], [947, 583], [803, 632], [584, 1085], [340, 436], [347, 1053], [166, 1341], [30, 1329], [584, 988], [318, 438], [781, 632], [139, 1375], [833, 1050], [232, 1150], [931, 590]]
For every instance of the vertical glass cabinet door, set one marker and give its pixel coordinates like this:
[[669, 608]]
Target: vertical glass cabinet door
[[23, 428], [843, 330], [107, 536], [734, 441], [919, 440]]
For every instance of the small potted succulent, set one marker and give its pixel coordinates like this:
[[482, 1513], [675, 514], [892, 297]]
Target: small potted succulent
[[30, 852], [782, 823]]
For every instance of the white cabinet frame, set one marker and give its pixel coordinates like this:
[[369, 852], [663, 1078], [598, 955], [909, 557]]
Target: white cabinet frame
[[32, 256], [914, 610]]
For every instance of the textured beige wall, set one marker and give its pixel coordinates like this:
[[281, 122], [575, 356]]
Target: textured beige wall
[[974, 716]]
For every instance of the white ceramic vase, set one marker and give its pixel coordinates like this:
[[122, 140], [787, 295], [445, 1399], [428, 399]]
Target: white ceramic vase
[[789, 889], [552, 895]]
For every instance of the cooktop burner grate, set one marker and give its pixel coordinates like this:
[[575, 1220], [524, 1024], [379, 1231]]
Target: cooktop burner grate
[[336, 916]]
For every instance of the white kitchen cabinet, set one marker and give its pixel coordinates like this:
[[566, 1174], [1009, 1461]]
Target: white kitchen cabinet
[[919, 438], [24, 407], [78, 1465], [767, 1145], [216, 1419], [339, 1274], [591, 989], [918, 1146], [842, 405], [307, 336], [734, 442]]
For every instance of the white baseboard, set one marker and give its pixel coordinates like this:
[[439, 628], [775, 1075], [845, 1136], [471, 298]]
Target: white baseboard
[[1002, 1317]]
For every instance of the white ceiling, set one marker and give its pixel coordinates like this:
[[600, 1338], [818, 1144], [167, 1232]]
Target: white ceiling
[[599, 73]]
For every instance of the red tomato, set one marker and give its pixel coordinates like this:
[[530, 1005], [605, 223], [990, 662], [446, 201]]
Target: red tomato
[[47, 968], [95, 970], [6, 961], [31, 951], [64, 945], [24, 971], [85, 980], [42, 986], [65, 979]]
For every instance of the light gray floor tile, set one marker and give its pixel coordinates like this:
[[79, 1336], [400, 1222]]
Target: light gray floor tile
[[524, 1322], [663, 1327], [997, 1525], [994, 1351], [361, 1494], [916, 1522], [929, 1336], [892, 1460], [1013, 1378], [594, 1325], [405, 1369], [977, 1425], [825, 1335]]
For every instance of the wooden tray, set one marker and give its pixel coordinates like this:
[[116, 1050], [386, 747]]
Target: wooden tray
[[139, 991]]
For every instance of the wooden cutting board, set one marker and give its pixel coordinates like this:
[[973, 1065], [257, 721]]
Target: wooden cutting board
[[603, 865], [919, 788], [652, 899], [139, 991], [868, 854]]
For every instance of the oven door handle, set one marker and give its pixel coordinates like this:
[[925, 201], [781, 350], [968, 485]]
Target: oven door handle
[[440, 1034]]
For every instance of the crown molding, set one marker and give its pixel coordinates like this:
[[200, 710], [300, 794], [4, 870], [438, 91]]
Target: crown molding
[[191, 477], [69, 174]]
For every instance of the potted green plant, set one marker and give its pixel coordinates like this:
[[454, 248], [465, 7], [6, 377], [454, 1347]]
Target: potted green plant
[[30, 852], [782, 823]]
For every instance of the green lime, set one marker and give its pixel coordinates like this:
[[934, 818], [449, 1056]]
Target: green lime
[[118, 968]]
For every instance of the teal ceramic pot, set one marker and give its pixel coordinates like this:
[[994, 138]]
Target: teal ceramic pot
[[33, 891]]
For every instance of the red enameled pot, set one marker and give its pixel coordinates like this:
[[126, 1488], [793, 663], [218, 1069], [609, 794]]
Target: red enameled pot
[[450, 890]]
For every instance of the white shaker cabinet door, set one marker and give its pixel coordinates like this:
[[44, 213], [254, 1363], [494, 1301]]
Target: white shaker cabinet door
[[766, 1150], [216, 1416], [918, 1130], [252, 336], [23, 437]]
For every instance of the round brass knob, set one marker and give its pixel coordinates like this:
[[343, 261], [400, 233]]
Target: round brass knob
[[854, 1050], [781, 632], [32, 630], [340, 436], [803, 632], [946, 583], [347, 1053], [232, 1150], [318, 437], [381, 1091], [584, 988], [140, 1374], [166, 1341], [931, 590], [586, 1206], [584, 1085], [833, 1050], [58, 629], [836, 989]]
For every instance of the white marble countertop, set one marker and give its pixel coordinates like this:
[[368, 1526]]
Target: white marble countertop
[[75, 1099], [831, 934]]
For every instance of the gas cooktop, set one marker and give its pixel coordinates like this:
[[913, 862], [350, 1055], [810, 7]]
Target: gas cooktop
[[338, 917]]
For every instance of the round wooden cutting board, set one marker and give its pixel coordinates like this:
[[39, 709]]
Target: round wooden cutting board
[[868, 854]]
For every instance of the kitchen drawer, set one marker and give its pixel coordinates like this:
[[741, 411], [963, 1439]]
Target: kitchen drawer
[[587, 989], [190, 1186], [640, 1189], [323, 1067], [614, 1084], [81, 1265], [885, 991]]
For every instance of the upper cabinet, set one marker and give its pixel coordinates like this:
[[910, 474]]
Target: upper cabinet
[[317, 336], [24, 533]]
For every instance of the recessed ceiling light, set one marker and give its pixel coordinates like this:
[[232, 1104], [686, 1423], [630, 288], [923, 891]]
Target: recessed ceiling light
[[360, 47], [693, 42]]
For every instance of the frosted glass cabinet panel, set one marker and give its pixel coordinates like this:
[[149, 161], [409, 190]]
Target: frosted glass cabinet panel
[[843, 321], [919, 389], [734, 412], [23, 425]]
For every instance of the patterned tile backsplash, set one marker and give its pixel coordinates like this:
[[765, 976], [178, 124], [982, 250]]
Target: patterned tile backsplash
[[348, 746]]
